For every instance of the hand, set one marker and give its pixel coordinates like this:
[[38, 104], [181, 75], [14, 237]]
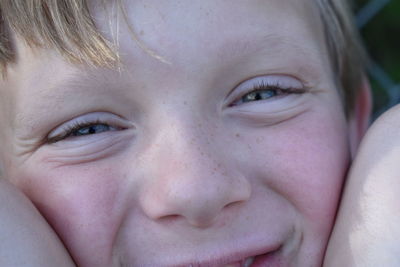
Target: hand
[[25, 237], [367, 231]]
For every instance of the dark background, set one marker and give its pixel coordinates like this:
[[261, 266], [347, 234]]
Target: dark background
[[379, 23]]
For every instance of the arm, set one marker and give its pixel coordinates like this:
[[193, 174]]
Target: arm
[[25, 237], [367, 229]]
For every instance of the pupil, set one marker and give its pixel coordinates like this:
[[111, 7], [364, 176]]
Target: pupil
[[259, 95], [93, 129]]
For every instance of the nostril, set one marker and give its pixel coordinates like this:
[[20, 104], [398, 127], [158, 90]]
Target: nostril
[[234, 204]]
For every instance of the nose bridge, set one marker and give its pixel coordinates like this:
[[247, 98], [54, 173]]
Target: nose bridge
[[188, 178]]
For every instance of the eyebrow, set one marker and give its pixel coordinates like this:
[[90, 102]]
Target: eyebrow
[[59, 91], [274, 45], [273, 42]]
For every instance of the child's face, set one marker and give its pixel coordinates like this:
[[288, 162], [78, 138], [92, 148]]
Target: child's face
[[237, 147]]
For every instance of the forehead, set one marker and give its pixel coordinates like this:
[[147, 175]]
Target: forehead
[[169, 27], [187, 31], [181, 31]]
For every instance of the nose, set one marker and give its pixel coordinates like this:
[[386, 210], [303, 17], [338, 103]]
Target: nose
[[188, 179]]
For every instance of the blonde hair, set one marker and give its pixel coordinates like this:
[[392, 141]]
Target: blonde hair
[[68, 27], [65, 25]]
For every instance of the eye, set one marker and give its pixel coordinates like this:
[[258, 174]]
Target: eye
[[267, 88], [88, 125], [90, 129], [260, 94], [81, 129]]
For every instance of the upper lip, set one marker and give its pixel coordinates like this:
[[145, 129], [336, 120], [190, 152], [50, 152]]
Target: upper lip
[[230, 257]]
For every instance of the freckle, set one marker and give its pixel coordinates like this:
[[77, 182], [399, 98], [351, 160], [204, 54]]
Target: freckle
[[141, 32], [185, 103], [237, 135]]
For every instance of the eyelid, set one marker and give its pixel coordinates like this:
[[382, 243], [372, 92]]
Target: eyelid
[[95, 117], [281, 81]]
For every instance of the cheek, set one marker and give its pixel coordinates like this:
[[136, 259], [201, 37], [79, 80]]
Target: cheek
[[305, 162], [82, 203]]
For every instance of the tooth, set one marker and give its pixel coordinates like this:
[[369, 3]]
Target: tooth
[[248, 262]]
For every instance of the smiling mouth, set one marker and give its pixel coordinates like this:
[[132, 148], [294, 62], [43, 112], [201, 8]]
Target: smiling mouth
[[267, 259], [270, 259], [244, 263]]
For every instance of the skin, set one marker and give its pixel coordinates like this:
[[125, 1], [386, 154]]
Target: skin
[[367, 232], [187, 173], [27, 240]]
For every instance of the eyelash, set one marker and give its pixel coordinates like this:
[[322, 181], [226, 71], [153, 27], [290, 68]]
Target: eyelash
[[262, 86], [69, 130]]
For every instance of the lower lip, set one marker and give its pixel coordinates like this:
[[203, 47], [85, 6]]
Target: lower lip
[[272, 259]]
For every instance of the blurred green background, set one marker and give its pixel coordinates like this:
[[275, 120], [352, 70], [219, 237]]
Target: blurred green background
[[379, 22]]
